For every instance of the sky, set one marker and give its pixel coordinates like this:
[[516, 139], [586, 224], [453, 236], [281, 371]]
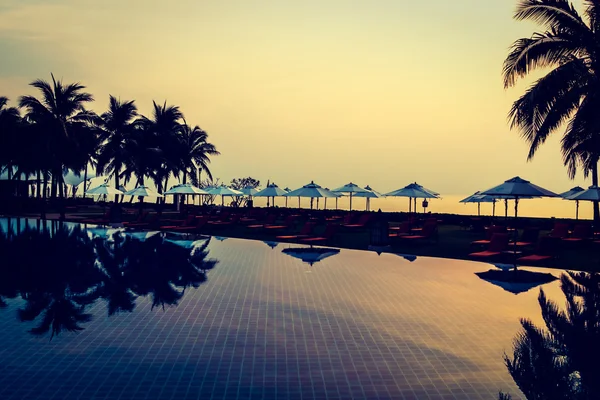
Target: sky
[[383, 93]]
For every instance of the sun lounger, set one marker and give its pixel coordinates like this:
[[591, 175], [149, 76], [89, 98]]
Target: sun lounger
[[544, 251], [489, 232], [498, 244], [428, 232], [330, 231], [580, 233], [304, 232], [560, 230]]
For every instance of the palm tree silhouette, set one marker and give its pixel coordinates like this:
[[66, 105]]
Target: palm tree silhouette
[[195, 153], [57, 278], [561, 361], [568, 94], [9, 120], [60, 113], [116, 127], [166, 129]]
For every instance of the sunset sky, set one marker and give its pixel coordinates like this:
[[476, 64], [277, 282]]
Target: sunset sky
[[381, 93]]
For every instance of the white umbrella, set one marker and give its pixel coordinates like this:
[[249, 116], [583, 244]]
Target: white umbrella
[[74, 178], [103, 189], [311, 190], [414, 190], [479, 198], [249, 191], [224, 191], [571, 192], [369, 194], [517, 188], [185, 188], [143, 191], [350, 188], [272, 190], [590, 194]]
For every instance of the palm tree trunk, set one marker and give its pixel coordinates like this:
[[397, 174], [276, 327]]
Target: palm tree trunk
[[85, 179], [39, 185], [595, 183], [117, 181], [61, 198]]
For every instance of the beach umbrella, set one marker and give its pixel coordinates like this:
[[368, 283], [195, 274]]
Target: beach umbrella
[[224, 191], [143, 191], [310, 255], [571, 192], [590, 194], [74, 178], [369, 194], [312, 190], [272, 190], [103, 189], [479, 198], [517, 188], [185, 188], [351, 189], [287, 189], [249, 191], [413, 191]]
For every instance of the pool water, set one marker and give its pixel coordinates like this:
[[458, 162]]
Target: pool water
[[104, 314]]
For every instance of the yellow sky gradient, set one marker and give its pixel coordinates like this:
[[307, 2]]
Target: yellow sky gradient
[[381, 93]]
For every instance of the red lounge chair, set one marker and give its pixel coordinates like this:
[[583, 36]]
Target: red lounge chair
[[498, 244], [402, 230], [105, 219], [528, 237], [304, 232], [489, 233], [149, 222], [580, 233], [227, 222], [140, 219], [198, 224], [270, 220], [544, 251], [287, 223], [187, 222], [428, 231], [362, 222], [330, 231], [560, 230]]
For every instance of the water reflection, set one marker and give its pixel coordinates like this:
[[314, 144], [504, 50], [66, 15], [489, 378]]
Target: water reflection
[[516, 281], [310, 255], [561, 361], [59, 270]]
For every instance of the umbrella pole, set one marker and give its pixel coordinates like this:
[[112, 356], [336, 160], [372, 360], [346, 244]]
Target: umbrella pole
[[409, 205], [298, 201], [494, 208], [576, 209], [350, 201], [222, 200], [506, 208], [336, 206], [479, 209], [325, 206]]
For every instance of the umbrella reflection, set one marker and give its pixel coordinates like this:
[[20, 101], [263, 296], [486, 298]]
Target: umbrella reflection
[[516, 281], [310, 255]]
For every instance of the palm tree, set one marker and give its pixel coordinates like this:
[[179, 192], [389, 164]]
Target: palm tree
[[567, 95], [166, 128], [60, 113], [561, 362], [195, 153], [117, 125], [9, 120]]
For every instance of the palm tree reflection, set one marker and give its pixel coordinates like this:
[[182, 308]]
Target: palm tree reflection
[[61, 271], [561, 361]]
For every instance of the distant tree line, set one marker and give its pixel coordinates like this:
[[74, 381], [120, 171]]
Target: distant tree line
[[48, 134]]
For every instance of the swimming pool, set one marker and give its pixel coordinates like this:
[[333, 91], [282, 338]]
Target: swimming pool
[[244, 319]]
